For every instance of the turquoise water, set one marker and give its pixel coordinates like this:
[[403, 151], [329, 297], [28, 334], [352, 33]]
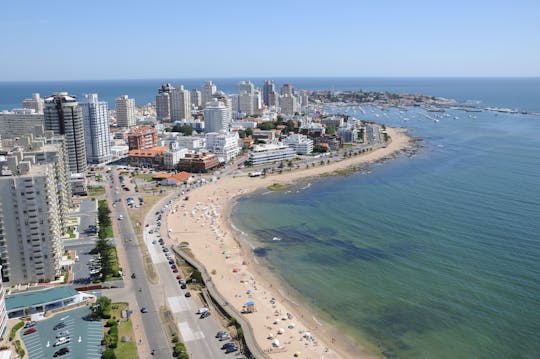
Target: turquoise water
[[430, 256]]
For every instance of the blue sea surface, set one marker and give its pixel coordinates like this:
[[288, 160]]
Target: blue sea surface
[[516, 93], [430, 256]]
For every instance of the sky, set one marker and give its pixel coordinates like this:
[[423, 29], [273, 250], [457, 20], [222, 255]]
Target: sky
[[94, 40]]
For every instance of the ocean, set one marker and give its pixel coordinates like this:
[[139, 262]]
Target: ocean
[[430, 256], [522, 93]]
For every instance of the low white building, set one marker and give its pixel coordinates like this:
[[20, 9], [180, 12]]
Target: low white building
[[225, 145], [119, 151], [172, 156], [301, 144], [270, 153], [242, 125], [193, 143]]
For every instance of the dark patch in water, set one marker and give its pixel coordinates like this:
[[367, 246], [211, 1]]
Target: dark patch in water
[[353, 252], [261, 251]]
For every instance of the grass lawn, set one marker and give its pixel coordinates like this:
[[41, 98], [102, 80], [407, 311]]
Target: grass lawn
[[115, 266], [96, 191], [125, 350], [145, 176]]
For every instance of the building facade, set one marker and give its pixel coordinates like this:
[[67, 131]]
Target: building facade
[[125, 111], [217, 117], [198, 162], [30, 225], [35, 103], [208, 91], [163, 102], [301, 144], [269, 93], [142, 138], [19, 122], [288, 104], [3, 311], [224, 145], [64, 117], [180, 104], [270, 153], [96, 129]]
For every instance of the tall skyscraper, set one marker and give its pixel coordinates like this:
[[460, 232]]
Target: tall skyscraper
[[287, 89], [64, 117], [217, 117], [35, 103], [269, 93], [31, 223], [195, 98], [245, 87], [96, 129], [180, 104], [163, 102], [288, 104], [208, 90], [125, 111]]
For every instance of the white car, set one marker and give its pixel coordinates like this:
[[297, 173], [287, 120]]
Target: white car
[[61, 341], [202, 310]]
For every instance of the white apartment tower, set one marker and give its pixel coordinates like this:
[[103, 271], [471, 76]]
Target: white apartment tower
[[245, 87], [288, 104], [163, 102], [96, 129], [125, 111], [217, 117], [64, 117], [180, 104], [208, 91], [223, 144], [35, 103], [30, 224], [195, 98]]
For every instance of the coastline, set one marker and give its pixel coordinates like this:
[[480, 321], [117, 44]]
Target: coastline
[[205, 222]]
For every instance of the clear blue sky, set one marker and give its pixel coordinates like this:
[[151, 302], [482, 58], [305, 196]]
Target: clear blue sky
[[70, 40]]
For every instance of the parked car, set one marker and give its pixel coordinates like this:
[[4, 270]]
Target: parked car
[[201, 310], [205, 315], [144, 310], [61, 352], [30, 324], [175, 270], [187, 295], [224, 336], [220, 333], [179, 276], [62, 341], [59, 326], [65, 333], [30, 331], [228, 345], [183, 286], [231, 349]]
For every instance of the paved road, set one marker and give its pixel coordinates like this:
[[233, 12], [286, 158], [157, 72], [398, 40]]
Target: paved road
[[154, 331]]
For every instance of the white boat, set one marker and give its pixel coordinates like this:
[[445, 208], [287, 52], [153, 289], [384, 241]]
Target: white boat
[[276, 239]]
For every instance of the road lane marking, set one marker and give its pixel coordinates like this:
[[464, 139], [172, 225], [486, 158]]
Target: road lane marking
[[188, 334]]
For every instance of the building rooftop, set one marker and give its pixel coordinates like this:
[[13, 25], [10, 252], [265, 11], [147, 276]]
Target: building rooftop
[[149, 152], [37, 297]]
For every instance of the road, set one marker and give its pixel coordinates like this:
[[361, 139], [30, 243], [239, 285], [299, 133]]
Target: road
[[197, 334]]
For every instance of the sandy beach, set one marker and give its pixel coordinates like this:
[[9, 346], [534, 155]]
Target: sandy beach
[[204, 222]]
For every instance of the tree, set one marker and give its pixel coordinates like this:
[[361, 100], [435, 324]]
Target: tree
[[319, 149], [242, 134], [330, 129], [249, 132], [186, 130], [103, 307], [268, 125], [290, 125]]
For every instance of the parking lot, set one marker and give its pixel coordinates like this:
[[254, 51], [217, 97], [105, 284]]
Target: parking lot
[[85, 336]]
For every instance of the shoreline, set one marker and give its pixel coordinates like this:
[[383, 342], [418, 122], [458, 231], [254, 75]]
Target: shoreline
[[205, 222]]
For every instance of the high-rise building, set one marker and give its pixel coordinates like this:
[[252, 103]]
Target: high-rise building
[[208, 91], [35, 103], [195, 98], [63, 116], [163, 102], [245, 87], [19, 122], [217, 117], [269, 93], [248, 103], [96, 129], [180, 104], [287, 89], [142, 138], [30, 224], [288, 104], [125, 111], [3, 311]]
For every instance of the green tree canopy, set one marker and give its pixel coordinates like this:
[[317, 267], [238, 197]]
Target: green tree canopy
[[186, 130]]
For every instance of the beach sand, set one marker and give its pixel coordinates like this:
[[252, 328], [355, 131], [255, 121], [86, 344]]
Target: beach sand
[[204, 222]]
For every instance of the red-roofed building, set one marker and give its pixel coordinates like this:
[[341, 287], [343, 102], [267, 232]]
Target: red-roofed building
[[142, 138], [173, 179], [149, 158]]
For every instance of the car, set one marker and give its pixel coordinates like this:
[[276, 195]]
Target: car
[[228, 345], [59, 326], [205, 315], [61, 352], [201, 311], [220, 333], [171, 261], [183, 286], [30, 331], [187, 295], [231, 349], [62, 341], [133, 276], [179, 276], [30, 324], [65, 333], [173, 266], [165, 249], [154, 241], [175, 270], [144, 310], [224, 336]]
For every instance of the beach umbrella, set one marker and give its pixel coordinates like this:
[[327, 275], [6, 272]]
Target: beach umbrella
[[276, 343], [297, 354], [291, 326], [235, 270], [281, 331]]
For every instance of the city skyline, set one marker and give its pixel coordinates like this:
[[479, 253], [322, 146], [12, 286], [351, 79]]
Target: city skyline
[[300, 39]]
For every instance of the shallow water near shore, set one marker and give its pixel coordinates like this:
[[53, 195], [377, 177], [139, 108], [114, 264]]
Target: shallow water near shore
[[430, 256]]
